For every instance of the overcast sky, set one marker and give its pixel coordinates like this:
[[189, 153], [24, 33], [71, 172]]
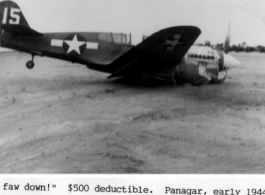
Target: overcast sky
[[247, 17]]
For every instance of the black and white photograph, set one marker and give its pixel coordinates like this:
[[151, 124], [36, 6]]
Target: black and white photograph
[[132, 87]]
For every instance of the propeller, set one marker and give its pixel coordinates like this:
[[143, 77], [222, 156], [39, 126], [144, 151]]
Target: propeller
[[228, 60], [227, 39]]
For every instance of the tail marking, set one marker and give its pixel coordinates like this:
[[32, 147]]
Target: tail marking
[[14, 16]]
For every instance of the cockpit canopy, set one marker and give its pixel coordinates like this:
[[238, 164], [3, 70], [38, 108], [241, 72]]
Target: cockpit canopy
[[117, 38]]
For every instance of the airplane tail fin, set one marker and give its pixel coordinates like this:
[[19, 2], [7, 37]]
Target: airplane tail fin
[[11, 14], [13, 21]]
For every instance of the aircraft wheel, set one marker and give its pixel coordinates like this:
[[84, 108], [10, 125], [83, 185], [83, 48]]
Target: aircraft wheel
[[30, 64]]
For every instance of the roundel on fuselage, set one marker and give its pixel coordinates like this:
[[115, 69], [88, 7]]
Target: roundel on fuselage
[[74, 44]]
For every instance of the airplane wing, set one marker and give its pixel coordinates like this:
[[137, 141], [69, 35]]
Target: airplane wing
[[163, 50]]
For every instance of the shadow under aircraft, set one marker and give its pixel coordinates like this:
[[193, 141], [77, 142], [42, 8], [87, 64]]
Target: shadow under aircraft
[[166, 56]]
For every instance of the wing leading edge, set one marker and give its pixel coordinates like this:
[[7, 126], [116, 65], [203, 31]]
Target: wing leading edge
[[163, 50]]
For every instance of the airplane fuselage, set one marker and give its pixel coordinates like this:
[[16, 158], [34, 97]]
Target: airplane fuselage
[[199, 65], [165, 55], [84, 48], [94, 48]]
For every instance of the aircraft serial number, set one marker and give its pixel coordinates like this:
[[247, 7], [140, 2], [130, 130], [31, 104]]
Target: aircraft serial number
[[14, 15]]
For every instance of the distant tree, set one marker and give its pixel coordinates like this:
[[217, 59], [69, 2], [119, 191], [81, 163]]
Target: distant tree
[[208, 43], [244, 45], [233, 48], [219, 46]]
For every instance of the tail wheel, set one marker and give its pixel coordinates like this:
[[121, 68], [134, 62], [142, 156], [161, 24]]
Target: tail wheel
[[30, 64]]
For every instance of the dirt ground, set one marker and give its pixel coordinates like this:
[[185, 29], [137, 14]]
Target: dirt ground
[[64, 118]]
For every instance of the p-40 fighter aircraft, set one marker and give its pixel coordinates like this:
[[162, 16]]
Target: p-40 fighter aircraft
[[167, 55]]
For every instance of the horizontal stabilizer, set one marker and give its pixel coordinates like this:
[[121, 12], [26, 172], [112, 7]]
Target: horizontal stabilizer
[[21, 30]]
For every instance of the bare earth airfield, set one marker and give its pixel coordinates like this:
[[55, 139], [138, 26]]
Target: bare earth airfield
[[64, 118]]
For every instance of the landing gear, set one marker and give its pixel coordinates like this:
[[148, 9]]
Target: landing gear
[[30, 64]]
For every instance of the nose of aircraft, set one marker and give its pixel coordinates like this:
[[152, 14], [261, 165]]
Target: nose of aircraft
[[230, 62]]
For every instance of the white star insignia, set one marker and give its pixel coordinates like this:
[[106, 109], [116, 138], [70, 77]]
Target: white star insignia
[[74, 45], [172, 43]]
